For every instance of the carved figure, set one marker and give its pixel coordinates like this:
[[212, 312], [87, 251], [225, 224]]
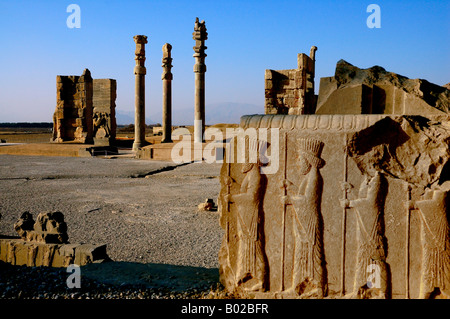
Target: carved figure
[[101, 125], [371, 248], [434, 209], [308, 270], [251, 268]]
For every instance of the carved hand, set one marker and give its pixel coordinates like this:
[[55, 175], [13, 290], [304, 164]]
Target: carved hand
[[346, 186], [345, 203], [411, 205], [285, 184], [285, 200]]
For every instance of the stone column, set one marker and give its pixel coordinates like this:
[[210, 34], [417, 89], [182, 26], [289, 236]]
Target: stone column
[[199, 35], [139, 71], [167, 94]]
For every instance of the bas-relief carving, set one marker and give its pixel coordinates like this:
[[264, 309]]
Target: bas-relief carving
[[251, 269], [102, 127], [303, 197], [435, 272], [371, 242], [308, 275]]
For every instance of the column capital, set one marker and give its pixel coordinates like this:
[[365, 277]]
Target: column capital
[[167, 62], [140, 39], [199, 35]]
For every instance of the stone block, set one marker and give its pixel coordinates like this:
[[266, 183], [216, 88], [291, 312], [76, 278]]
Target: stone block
[[35, 254], [89, 253], [377, 91], [350, 100]]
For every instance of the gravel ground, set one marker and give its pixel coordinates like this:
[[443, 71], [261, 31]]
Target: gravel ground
[[145, 211]]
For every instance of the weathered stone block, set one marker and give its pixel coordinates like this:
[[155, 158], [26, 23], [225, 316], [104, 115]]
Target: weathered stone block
[[350, 100], [382, 92], [88, 253], [19, 252], [104, 118]]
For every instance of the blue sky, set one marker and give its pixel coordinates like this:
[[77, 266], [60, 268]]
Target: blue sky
[[245, 38]]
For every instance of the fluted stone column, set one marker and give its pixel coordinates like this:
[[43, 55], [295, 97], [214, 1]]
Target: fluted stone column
[[139, 98], [199, 35], [167, 94]]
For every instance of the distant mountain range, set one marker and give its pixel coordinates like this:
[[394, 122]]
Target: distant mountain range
[[215, 113]]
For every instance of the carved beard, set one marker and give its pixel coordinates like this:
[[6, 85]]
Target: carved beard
[[303, 165]]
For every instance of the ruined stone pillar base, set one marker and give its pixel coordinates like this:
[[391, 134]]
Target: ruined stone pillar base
[[20, 252]]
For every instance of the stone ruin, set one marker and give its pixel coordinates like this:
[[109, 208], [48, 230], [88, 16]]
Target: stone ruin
[[292, 91], [72, 120], [44, 242], [200, 35], [376, 91], [49, 228], [208, 205], [351, 91], [104, 106], [359, 206], [85, 110]]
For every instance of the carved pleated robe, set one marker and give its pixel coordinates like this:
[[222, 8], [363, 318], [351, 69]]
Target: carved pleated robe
[[251, 263], [370, 237], [435, 244], [308, 247]]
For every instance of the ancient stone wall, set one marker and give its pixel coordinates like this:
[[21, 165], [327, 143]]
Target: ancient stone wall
[[104, 118], [85, 110], [72, 120], [358, 208], [291, 91]]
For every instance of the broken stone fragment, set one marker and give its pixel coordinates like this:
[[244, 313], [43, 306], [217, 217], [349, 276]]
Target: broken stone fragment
[[48, 228], [413, 149], [24, 225], [208, 205], [376, 91]]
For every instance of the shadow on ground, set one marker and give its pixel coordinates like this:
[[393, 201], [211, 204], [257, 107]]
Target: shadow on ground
[[160, 276]]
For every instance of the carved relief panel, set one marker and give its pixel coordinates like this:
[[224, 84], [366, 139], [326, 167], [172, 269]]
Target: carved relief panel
[[345, 215]]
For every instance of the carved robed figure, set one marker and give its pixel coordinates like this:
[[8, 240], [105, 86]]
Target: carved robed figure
[[308, 261]]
